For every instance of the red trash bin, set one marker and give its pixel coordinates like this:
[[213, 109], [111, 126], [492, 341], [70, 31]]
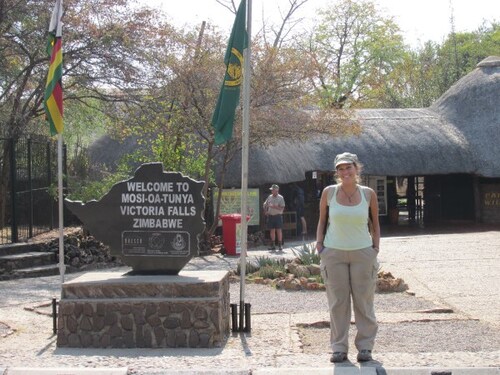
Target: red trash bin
[[229, 223]]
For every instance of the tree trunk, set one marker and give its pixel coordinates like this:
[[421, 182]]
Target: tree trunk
[[219, 192]]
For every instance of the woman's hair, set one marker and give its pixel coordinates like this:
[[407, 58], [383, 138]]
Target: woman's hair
[[359, 168]]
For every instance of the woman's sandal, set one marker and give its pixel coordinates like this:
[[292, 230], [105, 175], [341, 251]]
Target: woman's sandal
[[338, 357], [365, 355]]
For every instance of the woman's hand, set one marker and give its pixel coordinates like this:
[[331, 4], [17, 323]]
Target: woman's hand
[[319, 247]]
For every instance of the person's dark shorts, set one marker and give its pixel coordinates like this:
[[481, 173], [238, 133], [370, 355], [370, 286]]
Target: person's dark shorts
[[300, 211], [275, 222]]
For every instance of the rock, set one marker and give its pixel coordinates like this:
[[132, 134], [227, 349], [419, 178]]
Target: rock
[[303, 281], [280, 284], [391, 285], [297, 269], [314, 269], [259, 280], [315, 286], [292, 284]]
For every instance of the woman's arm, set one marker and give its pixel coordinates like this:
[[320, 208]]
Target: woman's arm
[[323, 212], [375, 220]]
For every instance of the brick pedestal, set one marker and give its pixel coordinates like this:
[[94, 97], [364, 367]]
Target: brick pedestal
[[115, 310]]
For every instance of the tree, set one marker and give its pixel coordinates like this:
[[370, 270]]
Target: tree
[[461, 52], [423, 75], [351, 50], [413, 82], [100, 44]]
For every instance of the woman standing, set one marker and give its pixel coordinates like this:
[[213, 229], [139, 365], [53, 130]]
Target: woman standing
[[349, 257]]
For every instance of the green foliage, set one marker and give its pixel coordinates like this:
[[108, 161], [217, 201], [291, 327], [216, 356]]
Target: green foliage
[[263, 265], [461, 52], [271, 271], [101, 62], [250, 268], [179, 153], [95, 189], [87, 190], [307, 254], [265, 261], [84, 121], [353, 48], [317, 278], [426, 73]]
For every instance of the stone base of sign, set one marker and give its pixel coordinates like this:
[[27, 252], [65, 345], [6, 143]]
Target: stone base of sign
[[116, 310]]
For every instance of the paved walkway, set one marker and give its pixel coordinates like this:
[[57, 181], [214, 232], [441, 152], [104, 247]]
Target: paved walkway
[[457, 271], [461, 270]]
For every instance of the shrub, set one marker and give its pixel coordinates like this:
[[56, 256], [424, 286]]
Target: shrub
[[307, 254], [250, 268], [265, 261], [271, 271]]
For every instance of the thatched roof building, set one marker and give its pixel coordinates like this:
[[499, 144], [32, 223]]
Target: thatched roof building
[[472, 105], [459, 133], [448, 155]]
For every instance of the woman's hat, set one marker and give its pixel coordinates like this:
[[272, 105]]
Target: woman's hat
[[346, 158]]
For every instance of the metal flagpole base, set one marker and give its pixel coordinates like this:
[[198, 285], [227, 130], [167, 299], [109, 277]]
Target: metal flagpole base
[[234, 317], [54, 316], [248, 323], [245, 324]]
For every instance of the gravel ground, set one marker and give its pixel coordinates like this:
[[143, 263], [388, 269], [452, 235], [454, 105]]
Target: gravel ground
[[418, 337], [290, 328], [412, 331], [265, 300]]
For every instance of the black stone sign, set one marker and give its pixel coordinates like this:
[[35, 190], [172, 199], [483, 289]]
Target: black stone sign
[[152, 221]]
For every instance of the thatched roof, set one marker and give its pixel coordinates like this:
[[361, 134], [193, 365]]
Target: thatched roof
[[472, 105], [460, 133]]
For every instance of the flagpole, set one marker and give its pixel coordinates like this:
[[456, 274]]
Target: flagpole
[[244, 166], [62, 267]]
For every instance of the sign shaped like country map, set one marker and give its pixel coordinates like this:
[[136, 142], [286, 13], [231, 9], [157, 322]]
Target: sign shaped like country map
[[151, 221]]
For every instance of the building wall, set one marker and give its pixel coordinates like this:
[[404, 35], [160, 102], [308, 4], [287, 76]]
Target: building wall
[[453, 198], [489, 200]]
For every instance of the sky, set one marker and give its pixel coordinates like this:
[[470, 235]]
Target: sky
[[420, 20]]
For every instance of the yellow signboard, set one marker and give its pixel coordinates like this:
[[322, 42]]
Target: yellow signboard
[[231, 203]]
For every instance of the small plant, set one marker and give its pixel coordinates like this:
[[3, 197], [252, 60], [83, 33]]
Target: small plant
[[271, 271], [260, 262], [250, 267], [317, 278], [307, 254], [265, 261]]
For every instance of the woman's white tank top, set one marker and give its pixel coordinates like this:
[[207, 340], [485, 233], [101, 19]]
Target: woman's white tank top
[[348, 225]]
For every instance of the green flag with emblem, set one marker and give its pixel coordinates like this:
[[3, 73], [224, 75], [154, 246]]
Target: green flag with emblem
[[229, 96]]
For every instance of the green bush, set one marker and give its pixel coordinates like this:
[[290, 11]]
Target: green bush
[[317, 278], [271, 271], [307, 254], [250, 268], [89, 190], [265, 267], [265, 261], [273, 262]]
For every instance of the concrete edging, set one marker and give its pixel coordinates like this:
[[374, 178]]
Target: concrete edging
[[66, 371]]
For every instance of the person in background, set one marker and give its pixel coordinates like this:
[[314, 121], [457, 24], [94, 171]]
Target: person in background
[[348, 254], [274, 206], [299, 201]]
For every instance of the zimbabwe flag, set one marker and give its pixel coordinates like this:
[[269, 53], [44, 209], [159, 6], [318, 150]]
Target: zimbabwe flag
[[53, 102]]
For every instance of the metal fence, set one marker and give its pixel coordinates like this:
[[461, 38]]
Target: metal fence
[[28, 205]]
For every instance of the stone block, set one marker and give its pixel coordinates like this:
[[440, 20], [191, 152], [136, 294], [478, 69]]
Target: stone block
[[183, 319], [127, 323]]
